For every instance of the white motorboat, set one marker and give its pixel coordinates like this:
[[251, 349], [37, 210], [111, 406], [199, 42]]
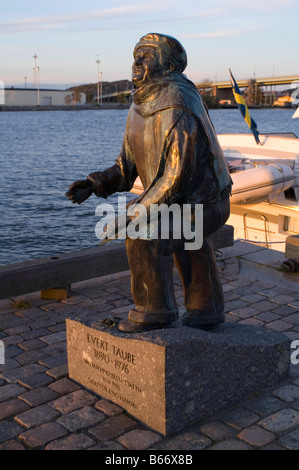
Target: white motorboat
[[265, 194], [296, 113]]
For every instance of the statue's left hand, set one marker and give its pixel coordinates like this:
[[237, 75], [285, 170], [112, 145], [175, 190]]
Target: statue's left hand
[[79, 191]]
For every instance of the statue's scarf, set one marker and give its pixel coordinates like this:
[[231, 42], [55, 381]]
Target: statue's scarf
[[176, 91]]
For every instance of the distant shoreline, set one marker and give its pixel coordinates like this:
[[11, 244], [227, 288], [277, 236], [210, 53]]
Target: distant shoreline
[[107, 106], [104, 106]]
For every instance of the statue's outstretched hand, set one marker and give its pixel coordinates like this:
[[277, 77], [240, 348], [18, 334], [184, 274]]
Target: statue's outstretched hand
[[79, 191]]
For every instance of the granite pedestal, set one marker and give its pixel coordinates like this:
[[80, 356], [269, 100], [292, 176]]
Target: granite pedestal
[[169, 378]]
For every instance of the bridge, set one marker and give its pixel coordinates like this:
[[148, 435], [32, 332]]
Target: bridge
[[220, 90]]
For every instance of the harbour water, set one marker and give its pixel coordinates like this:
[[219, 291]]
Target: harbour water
[[42, 153]]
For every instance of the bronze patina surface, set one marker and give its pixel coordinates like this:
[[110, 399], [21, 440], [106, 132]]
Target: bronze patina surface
[[170, 143]]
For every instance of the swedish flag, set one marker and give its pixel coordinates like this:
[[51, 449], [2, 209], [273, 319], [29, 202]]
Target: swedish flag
[[243, 108]]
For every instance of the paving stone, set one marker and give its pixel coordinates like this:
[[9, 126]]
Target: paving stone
[[252, 321], [264, 305], [282, 299], [31, 344], [234, 304], [9, 340], [54, 361], [231, 444], [284, 310], [12, 445], [72, 401], [268, 316], [39, 396], [31, 357], [256, 436], [245, 312], [58, 372], [56, 328], [228, 288], [107, 445], [11, 321], [64, 386], [18, 330], [21, 372], [36, 333], [36, 416], [185, 441], [6, 305], [109, 408], [240, 282], [290, 440], [139, 439], [253, 298], [247, 289], [229, 296], [272, 292], [42, 435], [52, 306], [10, 391], [217, 431], [34, 313], [113, 427], [239, 418], [294, 319], [12, 408], [12, 351], [279, 325], [264, 406], [45, 323], [82, 418], [273, 446], [56, 349], [73, 300], [287, 393], [36, 381], [8, 366], [72, 442], [294, 334], [282, 420], [9, 430], [54, 337]]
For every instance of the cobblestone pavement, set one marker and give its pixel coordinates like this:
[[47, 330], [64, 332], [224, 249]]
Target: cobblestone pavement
[[41, 408]]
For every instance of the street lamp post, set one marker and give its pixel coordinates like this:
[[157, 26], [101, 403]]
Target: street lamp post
[[101, 73], [98, 80], [37, 69], [34, 75]]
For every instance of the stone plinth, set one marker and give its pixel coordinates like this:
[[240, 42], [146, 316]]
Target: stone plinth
[[172, 377]]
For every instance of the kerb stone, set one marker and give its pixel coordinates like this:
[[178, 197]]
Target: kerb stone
[[169, 378]]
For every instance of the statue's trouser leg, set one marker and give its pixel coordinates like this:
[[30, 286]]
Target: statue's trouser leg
[[151, 281], [203, 293]]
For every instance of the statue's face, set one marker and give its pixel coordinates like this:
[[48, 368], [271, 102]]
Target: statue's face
[[146, 66]]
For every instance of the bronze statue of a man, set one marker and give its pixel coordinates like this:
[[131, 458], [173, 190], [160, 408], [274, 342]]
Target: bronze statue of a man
[[170, 143]]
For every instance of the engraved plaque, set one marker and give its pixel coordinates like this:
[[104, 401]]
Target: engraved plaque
[[129, 372]]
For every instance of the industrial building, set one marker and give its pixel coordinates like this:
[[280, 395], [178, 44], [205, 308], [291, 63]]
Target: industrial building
[[34, 97]]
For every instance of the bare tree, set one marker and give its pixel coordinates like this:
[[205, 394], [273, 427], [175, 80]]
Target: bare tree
[[253, 94]]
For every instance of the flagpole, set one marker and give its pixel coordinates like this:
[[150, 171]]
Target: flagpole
[[244, 109]]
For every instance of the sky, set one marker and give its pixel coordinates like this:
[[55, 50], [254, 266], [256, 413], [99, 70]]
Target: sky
[[255, 38]]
